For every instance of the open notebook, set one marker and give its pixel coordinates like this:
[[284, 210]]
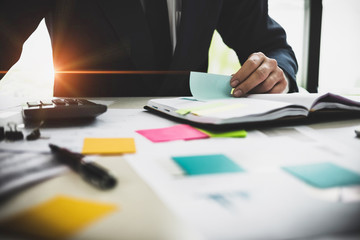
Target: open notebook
[[212, 104]]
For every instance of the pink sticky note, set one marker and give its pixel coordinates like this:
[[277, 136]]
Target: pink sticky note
[[177, 132]]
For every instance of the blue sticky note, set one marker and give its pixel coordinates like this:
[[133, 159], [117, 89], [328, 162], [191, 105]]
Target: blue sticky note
[[207, 164], [207, 86], [324, 175]]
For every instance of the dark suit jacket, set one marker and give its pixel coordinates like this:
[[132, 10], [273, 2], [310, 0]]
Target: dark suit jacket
[[113, 35]]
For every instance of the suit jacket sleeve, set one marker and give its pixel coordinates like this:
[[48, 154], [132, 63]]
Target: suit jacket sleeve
[[18, 20], [246, 27]]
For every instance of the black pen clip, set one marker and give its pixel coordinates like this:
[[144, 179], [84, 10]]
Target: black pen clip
[[13, 134]]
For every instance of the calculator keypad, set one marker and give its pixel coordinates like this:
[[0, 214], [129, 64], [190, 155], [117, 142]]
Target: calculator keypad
[[59, 102], [71, 101], [62, 108], [33, 104]]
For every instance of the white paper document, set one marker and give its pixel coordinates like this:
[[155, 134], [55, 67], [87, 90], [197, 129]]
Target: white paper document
[[19, 169], [263, 202]]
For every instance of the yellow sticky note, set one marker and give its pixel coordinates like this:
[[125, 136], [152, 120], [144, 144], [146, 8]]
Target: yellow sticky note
[[58, 218], [225, 107], [108, 146], [185, 111]]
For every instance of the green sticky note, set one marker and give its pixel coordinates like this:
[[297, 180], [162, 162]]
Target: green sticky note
[[228, 134], [324, 175], [206, 86], [207, 164]]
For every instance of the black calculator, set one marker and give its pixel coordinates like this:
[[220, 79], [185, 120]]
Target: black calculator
[[61, 108]]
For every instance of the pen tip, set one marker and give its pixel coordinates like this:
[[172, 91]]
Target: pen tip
[[52, 146]]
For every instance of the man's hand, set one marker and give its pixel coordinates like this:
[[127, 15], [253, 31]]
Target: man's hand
[[259, 74]]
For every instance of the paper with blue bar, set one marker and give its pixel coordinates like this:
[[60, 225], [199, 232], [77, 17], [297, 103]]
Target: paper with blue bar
[[324, 175], [207, 164], [206, 86]]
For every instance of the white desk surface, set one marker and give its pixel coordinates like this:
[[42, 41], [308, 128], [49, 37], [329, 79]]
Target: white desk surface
[[143, 214]]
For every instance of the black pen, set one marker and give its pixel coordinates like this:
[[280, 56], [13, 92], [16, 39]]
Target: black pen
[[90, 171]]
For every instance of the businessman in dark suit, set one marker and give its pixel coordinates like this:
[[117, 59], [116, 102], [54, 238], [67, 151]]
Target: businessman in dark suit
[[113, 47]]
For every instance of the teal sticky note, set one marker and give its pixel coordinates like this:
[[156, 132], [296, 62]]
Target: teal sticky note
[[324, 175], [207, 86], [207, 164]]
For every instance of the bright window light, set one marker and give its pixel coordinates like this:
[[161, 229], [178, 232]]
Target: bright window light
[[33, 75], [340, 48]]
